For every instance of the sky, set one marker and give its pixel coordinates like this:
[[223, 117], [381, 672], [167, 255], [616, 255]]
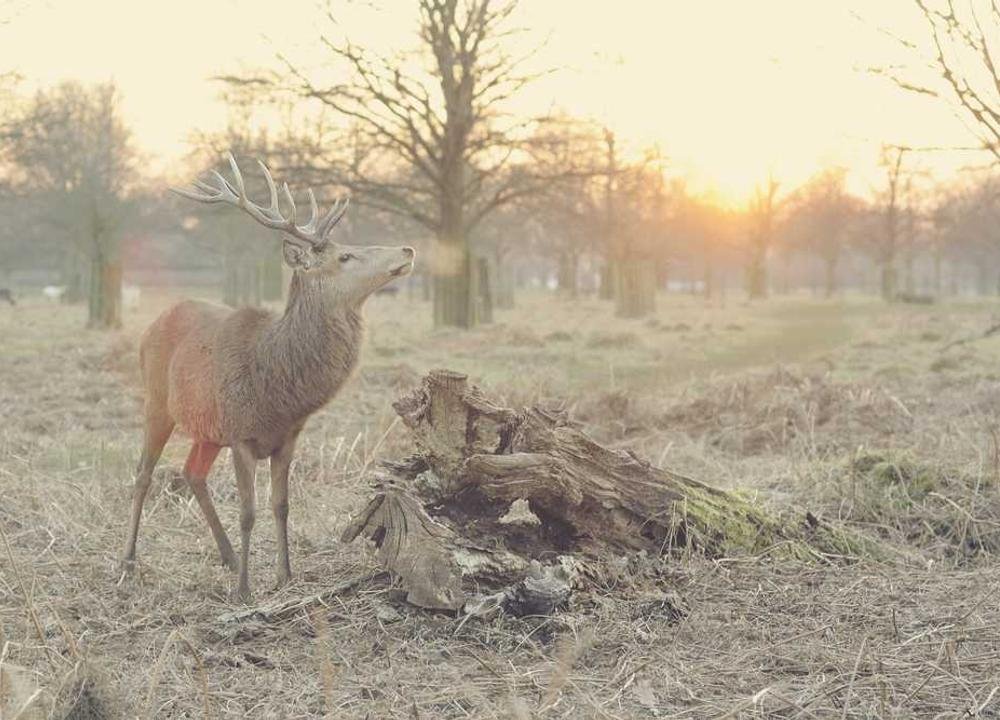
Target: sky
[[731, 91]]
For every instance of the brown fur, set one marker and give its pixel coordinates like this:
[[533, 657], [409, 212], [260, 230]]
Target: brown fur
[[248, 380]]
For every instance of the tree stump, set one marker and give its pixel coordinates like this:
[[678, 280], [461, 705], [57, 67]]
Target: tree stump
[[456, 509]]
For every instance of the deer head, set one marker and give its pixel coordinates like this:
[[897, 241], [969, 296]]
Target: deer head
[[352, 272]]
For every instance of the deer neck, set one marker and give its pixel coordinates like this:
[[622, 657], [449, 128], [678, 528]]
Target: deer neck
[[313, 348]]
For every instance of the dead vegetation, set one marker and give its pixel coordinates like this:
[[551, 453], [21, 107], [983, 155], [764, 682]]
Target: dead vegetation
[[782, 410], [867, 440]]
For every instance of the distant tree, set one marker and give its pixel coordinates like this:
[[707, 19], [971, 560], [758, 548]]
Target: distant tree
[[74, 152], [435, 147], [968, 223], [567, 215], [886, 243], [705, 231], [913, 233], [639, 235], [761, 225], [821, 213], [251, 260]]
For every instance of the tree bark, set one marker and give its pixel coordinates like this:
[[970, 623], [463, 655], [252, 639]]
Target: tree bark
[[484, 305], [635, 288], [105, 306], [888, 283], [757, 275], [606, 290], [708, 280], [938, 275], [568, 273], [504, 285], [829, 276], [453, 298], [494, 491], [455, 276], [73, 277]]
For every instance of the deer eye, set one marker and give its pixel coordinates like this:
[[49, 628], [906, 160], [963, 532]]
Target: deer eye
[[344, 257]]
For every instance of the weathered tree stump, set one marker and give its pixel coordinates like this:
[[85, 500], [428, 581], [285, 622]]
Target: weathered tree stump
[[456, 509]]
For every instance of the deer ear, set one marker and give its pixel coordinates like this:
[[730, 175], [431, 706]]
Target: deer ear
[[297, 257]]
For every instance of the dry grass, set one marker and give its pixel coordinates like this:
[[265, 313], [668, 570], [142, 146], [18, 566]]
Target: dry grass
[[866, 420]]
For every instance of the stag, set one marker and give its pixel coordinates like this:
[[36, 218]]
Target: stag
[[248, 379]]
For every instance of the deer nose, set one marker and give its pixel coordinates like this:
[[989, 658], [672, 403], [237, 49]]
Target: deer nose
[[408, 251]]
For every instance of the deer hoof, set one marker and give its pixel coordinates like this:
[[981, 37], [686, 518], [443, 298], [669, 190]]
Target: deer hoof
[[127, 569]]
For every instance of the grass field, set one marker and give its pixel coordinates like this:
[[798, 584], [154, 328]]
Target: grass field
[[852, 410]]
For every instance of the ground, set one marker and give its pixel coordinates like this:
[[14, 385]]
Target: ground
[[856, 412]]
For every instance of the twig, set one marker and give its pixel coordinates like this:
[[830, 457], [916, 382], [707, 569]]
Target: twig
[[28, 604], [276, 611], [854, 674]]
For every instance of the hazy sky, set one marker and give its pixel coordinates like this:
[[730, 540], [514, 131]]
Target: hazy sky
[[730, 89]]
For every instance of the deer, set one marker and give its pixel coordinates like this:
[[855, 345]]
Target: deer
[[248, 379]]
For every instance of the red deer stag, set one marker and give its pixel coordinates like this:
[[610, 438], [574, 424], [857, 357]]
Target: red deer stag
[[248, 379]]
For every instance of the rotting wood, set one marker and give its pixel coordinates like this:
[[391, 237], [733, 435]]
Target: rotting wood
[[475, 459]]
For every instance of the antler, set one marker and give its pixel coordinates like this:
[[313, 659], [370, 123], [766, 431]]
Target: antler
[[315, 232]]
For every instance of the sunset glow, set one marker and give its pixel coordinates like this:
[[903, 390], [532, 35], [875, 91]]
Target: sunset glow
[[730, 91]]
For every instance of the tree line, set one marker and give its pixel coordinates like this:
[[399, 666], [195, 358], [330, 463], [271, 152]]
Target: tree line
[[427, 146]]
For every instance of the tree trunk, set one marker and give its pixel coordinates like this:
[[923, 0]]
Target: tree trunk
[[607, 290], [568, 273], [635, 288], [757, 275], [243, 282], [426, 287], [73, 276], [786, 273], [504, 285], [888, 286], [830, 276], [511, 488], [708, 280], [454, 282], [452, 299], [909, 278], [105, 306], [938, 277], [484, 305]]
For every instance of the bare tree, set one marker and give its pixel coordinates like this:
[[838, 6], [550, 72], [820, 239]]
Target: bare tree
[[634, 200], [705, 230], [965, 229], [251, 261], [639, 236], [761, 220], [567, 216], [821, 214], [74, 150], [964, 55], [435, 146], [886, 242]]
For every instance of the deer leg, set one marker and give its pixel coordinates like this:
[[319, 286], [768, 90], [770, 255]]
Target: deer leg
[[281, 460], [245, 465], [196, 469], [158, 429]]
